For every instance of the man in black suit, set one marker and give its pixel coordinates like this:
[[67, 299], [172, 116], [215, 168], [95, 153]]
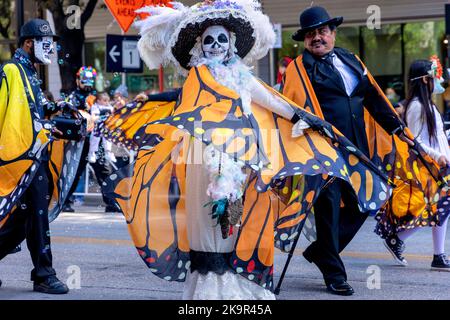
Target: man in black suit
[[343, 89]]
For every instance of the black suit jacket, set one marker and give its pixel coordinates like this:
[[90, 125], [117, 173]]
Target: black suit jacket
[[345, 112]]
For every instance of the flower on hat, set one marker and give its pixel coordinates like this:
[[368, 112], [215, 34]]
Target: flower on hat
[[436, 67]]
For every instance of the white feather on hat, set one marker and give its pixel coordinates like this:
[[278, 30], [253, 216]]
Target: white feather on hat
[[155, 31]]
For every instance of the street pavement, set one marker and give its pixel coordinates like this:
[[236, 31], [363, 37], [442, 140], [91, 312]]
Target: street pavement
[[96, 246]]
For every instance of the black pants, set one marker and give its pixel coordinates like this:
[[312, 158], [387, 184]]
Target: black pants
[[30, 222], [101, 169], [335, 227]]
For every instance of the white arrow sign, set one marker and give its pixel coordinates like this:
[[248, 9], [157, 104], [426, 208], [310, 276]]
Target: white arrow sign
[[113, 53]]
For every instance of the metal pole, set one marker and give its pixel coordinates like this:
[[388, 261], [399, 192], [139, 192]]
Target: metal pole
[[161, 79], [124, 75], [271, 68]]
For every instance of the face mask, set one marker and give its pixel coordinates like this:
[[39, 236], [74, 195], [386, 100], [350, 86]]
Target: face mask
[[392, 97], [438, 89], [43, 48], [216, 43]]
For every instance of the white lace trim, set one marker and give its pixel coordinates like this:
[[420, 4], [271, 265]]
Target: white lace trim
[[234, 75]]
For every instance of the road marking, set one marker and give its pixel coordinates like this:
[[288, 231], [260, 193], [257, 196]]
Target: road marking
[[123, 242]]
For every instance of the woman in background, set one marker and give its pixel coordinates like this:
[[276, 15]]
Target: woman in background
[[425, 122]]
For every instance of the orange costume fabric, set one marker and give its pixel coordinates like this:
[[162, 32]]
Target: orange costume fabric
[[277, 197]]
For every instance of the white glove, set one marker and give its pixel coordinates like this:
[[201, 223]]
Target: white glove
[[298, 127]]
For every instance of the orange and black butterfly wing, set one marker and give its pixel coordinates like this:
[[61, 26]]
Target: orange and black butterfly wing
[[150, 193], [121, 127], [64, 160]]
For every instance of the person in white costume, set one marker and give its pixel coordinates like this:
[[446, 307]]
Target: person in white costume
[[209, 277]]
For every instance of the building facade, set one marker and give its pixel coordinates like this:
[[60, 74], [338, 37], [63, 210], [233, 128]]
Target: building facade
[[408, 30]]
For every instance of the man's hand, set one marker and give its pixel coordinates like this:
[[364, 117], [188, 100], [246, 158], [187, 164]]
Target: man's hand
[[141, 97], [405, 138]]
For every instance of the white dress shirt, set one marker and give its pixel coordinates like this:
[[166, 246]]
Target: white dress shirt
[[348, 76]]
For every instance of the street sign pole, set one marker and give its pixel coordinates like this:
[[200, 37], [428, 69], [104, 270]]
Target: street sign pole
[[124, 80], [161, 79]]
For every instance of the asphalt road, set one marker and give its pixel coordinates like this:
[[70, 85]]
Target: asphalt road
[[96, 246]]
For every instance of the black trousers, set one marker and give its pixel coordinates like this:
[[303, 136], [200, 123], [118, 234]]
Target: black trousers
[[101, 169], [335, 227], [30, 222]]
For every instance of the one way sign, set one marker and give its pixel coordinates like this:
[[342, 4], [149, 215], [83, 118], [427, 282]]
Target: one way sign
[[122, 54]]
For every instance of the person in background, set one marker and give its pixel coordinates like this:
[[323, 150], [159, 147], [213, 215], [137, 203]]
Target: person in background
[[425, 122], [282, 65], [392, 96], [99, 110], [120, 96], [81, 99]]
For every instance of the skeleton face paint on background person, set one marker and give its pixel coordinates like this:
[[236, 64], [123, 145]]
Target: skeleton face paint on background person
[[43, 48], [216, 43]]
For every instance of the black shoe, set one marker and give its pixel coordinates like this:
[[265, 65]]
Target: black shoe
[[440, 262], [340, 288], [50, 285], [68, 208], [0, 283], [396, 248], [112, 209]]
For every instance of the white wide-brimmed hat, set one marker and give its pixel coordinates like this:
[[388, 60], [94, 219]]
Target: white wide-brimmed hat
[[169, 33]]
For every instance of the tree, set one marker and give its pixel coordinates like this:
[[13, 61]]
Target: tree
[[70, 17], [5, 22]]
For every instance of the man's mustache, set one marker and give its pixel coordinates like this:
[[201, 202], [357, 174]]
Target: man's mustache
[[321, 41]]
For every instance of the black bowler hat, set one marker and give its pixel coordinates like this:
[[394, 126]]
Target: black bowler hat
[[313, 18], [37, 28]]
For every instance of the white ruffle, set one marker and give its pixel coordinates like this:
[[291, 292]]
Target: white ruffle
[[229, 286]]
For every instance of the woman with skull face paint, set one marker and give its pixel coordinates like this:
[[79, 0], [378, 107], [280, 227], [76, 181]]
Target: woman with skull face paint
[[26, 177], [214, 179]]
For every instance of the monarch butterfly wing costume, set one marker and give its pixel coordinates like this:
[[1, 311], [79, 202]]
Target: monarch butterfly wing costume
[[414, 173], [64, 160], [151, 193], [22, 137], [122, 125]]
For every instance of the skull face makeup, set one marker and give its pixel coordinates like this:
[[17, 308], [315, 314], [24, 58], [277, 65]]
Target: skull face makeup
[[43, 48], [216, 43]]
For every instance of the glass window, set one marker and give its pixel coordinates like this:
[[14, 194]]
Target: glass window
[[348, 38], [383, 56], [291, 48], [380, 44], [422, 40]]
